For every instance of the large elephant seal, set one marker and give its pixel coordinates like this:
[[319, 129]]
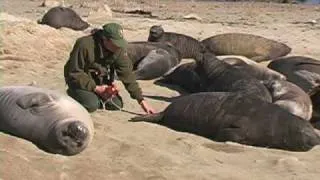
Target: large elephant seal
[[53, 122], [186, 77], [187, 45], [59, 17], [251, 46], [253, 68], [152, 60], [290, 97], [300, 70], [219, 76], [232, 117]]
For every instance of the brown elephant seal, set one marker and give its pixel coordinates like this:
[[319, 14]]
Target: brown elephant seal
[[290, 97], [187, 45], [53, 122], [59, 17], [233, 117], [251, 46]]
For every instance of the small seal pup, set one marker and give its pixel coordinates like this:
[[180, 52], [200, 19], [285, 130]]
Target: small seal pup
[[290, 97], [59, 17], [232, 117], [53, 122], [187, 45], [251, 46]]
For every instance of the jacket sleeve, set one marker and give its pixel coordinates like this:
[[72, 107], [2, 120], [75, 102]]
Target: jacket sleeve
[[74, 72], [124, 70]]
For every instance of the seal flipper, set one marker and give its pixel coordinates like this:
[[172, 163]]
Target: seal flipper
[[34, 100], [154, 118]]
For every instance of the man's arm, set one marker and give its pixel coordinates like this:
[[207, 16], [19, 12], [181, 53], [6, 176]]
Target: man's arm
[[74, 68], [124, 69]]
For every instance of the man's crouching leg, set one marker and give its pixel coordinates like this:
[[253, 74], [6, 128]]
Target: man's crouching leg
[[87, 99]]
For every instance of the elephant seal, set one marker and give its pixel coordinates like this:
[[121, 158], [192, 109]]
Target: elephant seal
[[155, 64], [58, 17], [251, 46], [290, 97], [233, 117], [300, 70], [219, 76], [186, 77], [187, 45], [253, 68], [53, 122], [152, 60]]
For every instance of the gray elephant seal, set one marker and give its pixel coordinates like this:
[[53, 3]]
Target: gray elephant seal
[[251, 67], [188, 46], [53, 122], [290, 97], [186, 77], [155, 64], [219, 76], [300, 70], [152, 60], [232, 117], [251, 46], [59, 17]]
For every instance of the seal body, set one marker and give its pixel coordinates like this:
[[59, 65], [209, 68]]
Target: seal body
[[252, 68], [290, 97], [152, 60], [59, 17], [53, 122], [188, 46], [251, 46], [300, 70], [233, 117], [219, 76]]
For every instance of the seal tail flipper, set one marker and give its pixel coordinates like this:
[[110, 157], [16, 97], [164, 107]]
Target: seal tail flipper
[[154, 118]]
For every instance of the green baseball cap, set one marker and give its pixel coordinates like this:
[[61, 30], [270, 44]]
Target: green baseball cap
[[114, 32]]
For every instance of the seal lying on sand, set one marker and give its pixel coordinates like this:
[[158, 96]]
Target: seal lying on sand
[[53, 122], [232, 117], [152, 60], [186, 77], [187, 45], [290, 97], [219, 76], [251, 46], [252, 68], [58, 17], [300, 70]]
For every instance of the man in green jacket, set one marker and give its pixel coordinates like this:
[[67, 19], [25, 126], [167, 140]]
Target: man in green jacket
[[89, 72]]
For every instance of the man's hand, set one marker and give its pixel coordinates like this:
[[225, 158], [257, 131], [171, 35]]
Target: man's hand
[[100, 90], [146, 107]]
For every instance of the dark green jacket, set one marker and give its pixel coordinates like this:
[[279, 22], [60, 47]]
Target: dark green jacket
[[88, 54]]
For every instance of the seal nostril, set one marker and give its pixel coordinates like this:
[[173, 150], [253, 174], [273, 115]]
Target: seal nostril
[[77, 131]]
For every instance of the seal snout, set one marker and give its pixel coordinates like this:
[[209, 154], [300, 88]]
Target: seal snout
[[77, 132]]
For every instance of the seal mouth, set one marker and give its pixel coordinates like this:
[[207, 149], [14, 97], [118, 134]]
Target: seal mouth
[[73, 137]]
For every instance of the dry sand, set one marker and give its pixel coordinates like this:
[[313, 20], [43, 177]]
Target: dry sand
[[124, 150]]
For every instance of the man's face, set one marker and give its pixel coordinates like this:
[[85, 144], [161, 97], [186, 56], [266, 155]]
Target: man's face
[[108, 44]]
